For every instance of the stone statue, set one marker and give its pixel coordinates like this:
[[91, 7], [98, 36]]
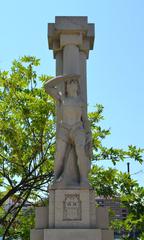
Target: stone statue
[[72, 129]]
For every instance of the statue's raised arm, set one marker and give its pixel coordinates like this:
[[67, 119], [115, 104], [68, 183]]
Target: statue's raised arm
[[51, 86], [52, 89]]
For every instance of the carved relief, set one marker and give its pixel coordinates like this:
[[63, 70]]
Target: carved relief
[[72, 207]]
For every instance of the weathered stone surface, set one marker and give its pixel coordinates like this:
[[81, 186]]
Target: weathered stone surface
[[107, 234], [77, 234], [74, 39], [71, 234], [41, 217], [72, 208], [37, 234], [102, 217], [71, 25]]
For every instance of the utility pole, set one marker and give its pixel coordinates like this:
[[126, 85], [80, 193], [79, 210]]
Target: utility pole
[[128, 167]]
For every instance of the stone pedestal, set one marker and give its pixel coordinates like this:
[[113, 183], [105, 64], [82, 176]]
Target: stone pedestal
[[71, 234], [77, 234], [71, 214], [72, 208]]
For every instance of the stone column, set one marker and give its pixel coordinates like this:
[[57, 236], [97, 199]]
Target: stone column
[[71, 213], [71, 59], [71, 38], [59, 63], [83, 76]]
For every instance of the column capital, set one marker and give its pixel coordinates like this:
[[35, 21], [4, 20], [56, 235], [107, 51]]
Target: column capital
[[71, 30]]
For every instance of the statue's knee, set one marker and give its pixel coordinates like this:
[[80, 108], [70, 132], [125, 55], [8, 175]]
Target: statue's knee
[[80, 146], [80, 149]]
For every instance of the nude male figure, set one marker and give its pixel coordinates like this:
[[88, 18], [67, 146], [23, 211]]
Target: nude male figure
[[73, 128]]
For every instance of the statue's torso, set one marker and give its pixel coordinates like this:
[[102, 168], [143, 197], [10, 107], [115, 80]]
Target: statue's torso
[[71, 110]]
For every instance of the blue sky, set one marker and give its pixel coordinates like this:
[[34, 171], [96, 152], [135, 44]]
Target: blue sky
[[115, 69]]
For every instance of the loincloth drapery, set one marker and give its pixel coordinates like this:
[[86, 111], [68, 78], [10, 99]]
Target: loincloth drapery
[[74, 134]]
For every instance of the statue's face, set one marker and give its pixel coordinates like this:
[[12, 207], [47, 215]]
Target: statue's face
[[72, 88]]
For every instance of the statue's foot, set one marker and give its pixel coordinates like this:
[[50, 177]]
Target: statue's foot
[[57, 183], [85, 184]]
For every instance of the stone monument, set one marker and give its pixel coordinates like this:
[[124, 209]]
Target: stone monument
[[71, 212]]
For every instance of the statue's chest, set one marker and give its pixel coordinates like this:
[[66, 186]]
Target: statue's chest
[[71, 104]]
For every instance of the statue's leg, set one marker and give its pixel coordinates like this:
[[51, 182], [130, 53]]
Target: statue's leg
[[83, 162], [59, 160]]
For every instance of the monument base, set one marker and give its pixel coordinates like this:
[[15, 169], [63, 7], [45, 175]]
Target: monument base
[[72, 208], [72, 214], [72, 234]]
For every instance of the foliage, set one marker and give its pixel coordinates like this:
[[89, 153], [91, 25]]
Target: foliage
[[114, 184], [111, 182], [27, 147], [133, 225], [27, 142], [24, 222]]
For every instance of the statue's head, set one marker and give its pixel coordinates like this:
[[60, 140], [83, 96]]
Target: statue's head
[[72, 87]]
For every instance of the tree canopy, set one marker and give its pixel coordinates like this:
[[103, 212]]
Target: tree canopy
[[27, 148]]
